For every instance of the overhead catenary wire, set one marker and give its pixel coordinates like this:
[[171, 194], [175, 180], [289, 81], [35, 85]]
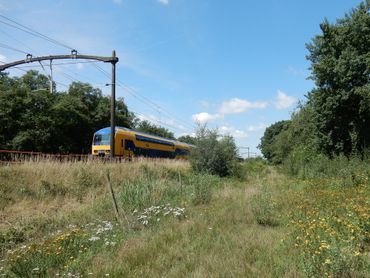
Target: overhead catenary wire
[[3, 45], [30, 31], [74, 79], [158, 109], [141, 98], [33, 51], [132, 92], [140, 115], [20, 69]]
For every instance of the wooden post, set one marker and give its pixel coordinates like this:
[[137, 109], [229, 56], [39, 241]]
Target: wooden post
[[114, 203]]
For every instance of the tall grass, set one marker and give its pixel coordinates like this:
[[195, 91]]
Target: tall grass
[[58, 219], [39, 198], [307, 164]]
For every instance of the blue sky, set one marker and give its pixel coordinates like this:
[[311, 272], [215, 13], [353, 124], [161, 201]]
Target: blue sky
[[237, 65]]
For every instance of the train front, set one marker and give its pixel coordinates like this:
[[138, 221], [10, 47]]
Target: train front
[[101, 142]]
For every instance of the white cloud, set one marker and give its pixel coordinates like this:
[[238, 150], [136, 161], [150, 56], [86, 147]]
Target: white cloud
[[237, 105], [284, 101], [205, 117], [253, 128], [236, 133], [164, 2]]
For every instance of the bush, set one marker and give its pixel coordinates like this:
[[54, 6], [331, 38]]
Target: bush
[[307, 164], [254, 167], [213, 155], [265, 209], [300, 161]]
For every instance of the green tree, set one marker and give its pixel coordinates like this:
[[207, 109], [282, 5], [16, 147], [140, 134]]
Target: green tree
[[340, 64], [214, 155], [271, 143], [25, 104], [32, 118], [10, 110], [148, 127], [187, 139]]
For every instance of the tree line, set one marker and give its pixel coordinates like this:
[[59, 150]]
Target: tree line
[[34, 119], [334, 120]]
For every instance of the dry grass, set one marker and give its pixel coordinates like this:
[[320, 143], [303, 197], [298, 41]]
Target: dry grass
[[231, 228], [220, 238], [34, 194]]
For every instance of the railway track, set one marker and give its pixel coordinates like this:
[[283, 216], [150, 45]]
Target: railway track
[[9, 157], [14, 157]]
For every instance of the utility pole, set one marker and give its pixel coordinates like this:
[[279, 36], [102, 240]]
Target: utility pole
[[113, 106], [51, 76], [74, 55], [248, 153]]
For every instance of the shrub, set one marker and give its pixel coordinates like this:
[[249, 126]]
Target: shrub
[[300, 160], [214, 155], [254, 167], [265, 210], [307, 164]]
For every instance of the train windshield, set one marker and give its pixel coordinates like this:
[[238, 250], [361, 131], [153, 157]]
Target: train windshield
[[101, 139]]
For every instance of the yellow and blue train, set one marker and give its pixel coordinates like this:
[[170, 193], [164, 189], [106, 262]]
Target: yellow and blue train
[[132, 143]]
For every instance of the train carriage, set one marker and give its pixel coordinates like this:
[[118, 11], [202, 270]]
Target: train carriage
[[132, 143]]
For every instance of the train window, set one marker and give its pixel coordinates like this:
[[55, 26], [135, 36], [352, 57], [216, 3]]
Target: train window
[[181, 152], [153, 140], [122, 143], [101, 139], [129, 145]]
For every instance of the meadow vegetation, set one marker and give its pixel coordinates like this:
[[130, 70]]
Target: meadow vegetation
[[57, 220], [324, 152]]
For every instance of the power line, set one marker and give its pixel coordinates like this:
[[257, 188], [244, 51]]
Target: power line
[[3, 45], [18, 41], [62, 84], [141, 98], [20, 69], [155, 120], [155, 106], [121, 84], [32, 32]]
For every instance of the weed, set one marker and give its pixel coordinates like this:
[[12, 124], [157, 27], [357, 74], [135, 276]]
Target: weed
[[265, 209], [203, 188]]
